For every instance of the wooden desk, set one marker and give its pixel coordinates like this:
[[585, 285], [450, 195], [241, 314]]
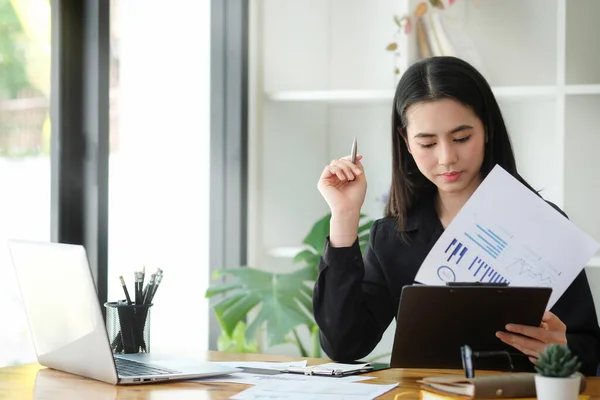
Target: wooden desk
[[32, 381]]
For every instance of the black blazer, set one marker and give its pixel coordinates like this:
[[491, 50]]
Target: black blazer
[[355, 298]]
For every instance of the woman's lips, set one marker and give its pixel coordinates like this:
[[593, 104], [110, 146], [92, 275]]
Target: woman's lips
[[451, 176]]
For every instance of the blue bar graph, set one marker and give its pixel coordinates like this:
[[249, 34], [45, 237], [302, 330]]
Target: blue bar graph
[[456, 249], [484, 272], [488, 240]]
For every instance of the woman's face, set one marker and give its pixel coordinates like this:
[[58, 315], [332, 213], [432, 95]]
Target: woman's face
[[447, 141]]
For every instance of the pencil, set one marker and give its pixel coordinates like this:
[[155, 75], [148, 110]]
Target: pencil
[[156, 283], [353, 152], [148, 289], [125, 289]]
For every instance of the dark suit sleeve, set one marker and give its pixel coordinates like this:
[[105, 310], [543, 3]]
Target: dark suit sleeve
[[351, 302], [577, 311]]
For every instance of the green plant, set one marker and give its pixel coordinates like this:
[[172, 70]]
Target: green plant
[[557, 361], [283, 300], [237, 342]]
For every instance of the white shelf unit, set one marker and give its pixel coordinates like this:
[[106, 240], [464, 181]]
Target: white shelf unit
[[320, 76], [386, 96]]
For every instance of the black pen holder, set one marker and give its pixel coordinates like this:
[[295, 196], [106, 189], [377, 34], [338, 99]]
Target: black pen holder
[[128, 327]]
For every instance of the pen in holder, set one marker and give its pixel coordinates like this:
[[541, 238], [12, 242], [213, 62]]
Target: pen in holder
[[128, 327]]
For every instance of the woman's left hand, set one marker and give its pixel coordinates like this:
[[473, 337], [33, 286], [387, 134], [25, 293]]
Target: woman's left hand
[[532, 340]]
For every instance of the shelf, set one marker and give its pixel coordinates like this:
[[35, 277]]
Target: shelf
[[386, 96], [333, 96], [524, 92], [582, 89], [284, 252]]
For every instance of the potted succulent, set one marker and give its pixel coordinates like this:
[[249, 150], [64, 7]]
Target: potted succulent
[[558, 377]]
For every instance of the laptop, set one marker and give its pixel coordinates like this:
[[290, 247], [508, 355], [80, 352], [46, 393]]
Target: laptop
[[66, 324], [433, 322]]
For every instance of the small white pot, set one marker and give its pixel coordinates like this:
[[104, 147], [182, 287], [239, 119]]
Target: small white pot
[[551, 388]]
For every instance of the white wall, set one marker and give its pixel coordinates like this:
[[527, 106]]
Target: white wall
[[315, 51]]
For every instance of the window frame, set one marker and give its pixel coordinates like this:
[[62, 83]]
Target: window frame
[[80, 134]]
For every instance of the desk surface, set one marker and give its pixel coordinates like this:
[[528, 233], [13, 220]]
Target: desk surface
[[32, 381]]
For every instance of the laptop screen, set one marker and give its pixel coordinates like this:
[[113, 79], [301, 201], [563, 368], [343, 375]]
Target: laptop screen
[[58, 293]]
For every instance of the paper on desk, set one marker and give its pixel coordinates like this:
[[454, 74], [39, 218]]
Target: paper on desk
[[248, 378], [506, 233], [333, 389], [279, 366], [342, 367]]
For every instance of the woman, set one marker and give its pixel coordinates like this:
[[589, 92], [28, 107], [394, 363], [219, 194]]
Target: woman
[[447, 135]]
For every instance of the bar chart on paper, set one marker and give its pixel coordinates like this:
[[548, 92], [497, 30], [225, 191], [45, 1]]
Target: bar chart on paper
[[484, 254], [507, 234], [488, 240]]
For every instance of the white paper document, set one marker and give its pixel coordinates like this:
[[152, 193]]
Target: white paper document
[[506, 233], [333, 389], [249, 378], [278, 366]]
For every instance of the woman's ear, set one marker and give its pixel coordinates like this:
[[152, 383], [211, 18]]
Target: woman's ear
[[404, 137]]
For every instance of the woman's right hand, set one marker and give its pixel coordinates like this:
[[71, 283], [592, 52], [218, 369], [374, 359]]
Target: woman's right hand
[[343, 186]]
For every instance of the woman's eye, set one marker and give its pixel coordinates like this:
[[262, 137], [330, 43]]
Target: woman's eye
[[427, 146], [464, 139]]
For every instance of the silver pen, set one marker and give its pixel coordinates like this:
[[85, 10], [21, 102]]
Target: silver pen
[[353, 152]]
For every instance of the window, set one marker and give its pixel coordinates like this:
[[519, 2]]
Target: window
[[24, 155], [159, 161]]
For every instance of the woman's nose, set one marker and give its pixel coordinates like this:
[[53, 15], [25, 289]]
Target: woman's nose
[[447, 155]]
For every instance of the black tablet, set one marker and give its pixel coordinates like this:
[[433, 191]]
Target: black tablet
[[433, 322]]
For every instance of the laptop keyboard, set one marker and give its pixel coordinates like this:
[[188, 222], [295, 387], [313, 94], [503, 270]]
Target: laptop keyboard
[[127, 367]]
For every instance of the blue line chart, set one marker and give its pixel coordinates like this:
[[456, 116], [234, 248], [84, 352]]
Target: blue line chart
[[524, 268]]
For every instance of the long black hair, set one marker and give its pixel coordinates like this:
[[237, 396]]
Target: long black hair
[[433, 79]]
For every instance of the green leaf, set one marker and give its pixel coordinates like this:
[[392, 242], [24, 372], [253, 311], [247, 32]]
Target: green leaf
[[316, 342], [224, 303], [236, 343], [437, 3], [557, 361], [365, 228], [306, 256], [282, 299], [217, 289], [305, 299], [318, 233], [281, 316], [392, 46], [231, 312]]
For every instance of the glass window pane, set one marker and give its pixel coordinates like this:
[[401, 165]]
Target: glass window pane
[[24, 155], [159, 161]]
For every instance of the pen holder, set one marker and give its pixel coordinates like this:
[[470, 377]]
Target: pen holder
[[128, 327]]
